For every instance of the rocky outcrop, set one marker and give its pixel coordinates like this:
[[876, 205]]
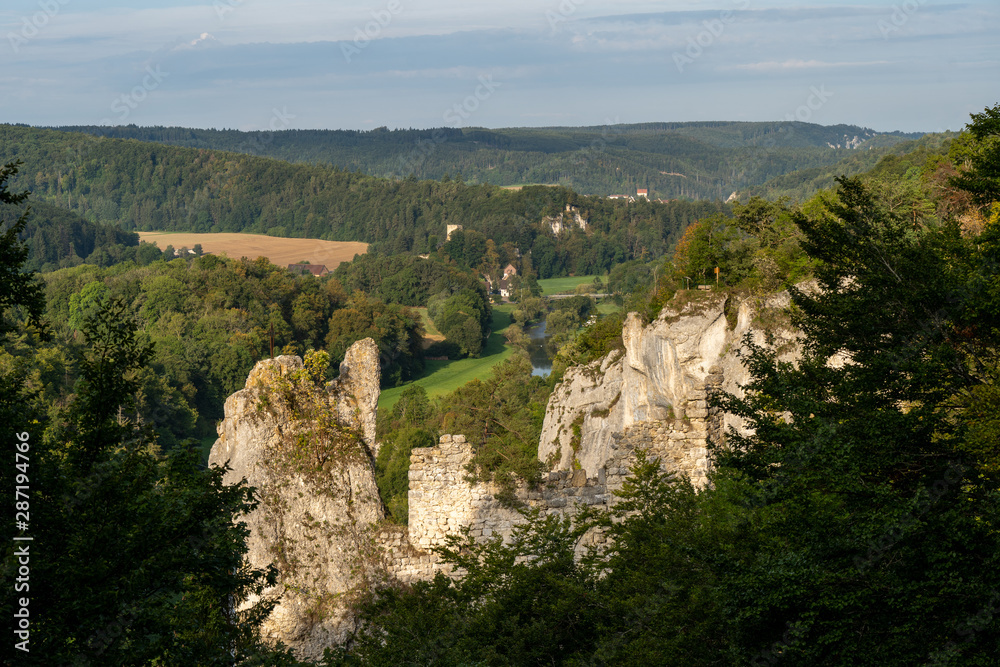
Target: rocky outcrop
[[307, 448], [657, 388], [566, 220]]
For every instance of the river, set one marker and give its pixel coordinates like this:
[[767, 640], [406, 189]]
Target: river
[[541, 360]]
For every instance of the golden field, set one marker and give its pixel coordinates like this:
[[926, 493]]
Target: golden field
[[279, 251]]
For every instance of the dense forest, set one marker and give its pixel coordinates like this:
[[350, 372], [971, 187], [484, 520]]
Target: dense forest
[[705, 160], [802, 184], [60, 238], [143, 186]]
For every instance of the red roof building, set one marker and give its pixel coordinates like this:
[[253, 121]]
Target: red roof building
[[315, 269]]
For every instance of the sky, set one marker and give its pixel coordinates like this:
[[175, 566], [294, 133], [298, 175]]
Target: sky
[[910, 65]]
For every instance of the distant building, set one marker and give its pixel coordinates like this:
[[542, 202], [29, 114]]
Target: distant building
[[506, 286], [509, 270], [451, 229], [642, 193], [315, 269]]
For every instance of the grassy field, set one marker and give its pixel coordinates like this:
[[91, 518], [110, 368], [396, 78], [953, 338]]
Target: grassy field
[[443, 377], [279, 251], [607, 307], [431, 333], [521, 186], [565, 285]]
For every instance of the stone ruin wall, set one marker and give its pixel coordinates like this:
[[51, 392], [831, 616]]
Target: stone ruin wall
[[443, 503]]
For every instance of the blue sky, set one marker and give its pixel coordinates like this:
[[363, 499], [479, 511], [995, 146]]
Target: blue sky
[[913, 65]]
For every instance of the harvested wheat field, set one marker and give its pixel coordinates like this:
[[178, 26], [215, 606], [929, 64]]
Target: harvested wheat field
[[279, 251]]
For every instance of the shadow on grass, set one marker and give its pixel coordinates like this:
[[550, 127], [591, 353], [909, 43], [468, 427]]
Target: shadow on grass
[[444, 377]]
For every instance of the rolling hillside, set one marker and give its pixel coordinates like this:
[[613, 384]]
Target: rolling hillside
[[705, 160]]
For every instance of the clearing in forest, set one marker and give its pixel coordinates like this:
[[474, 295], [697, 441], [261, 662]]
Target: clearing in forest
[[444, 377]]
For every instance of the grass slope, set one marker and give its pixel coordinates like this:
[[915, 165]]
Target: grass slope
[[565, 285], [443, 377]]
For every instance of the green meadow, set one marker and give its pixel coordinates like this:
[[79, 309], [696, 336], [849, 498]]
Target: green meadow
[[565, 285], [443, 377]]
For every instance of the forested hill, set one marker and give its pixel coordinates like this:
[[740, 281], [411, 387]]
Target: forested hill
[[704, 160], [58, 238], [801, 184], [146, 186]]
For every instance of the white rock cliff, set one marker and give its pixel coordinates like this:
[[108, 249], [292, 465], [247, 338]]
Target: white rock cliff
[[662, 378], [306, 447]]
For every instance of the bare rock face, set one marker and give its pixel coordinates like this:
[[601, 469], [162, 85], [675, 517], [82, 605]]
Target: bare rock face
[[661, 382], [307, 448]]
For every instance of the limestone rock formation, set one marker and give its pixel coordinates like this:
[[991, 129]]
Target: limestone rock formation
[[307, 448], [568, 219], [657, 388]]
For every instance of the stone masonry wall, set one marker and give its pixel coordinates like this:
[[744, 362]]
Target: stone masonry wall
[[443, 503], [681, 444]]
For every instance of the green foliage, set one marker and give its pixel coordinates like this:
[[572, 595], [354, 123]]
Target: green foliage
[[464, 317], [502, 418], [143, 563], [413, 406], [528, 310], [705, 160], [404, 279], [17, 289], [523, 603], [209, 320], [317, 365], [804, 183], [397, 330], [392, 469], [854, 523], [978, 154], [83, 304], [867, 482], [58, 238], [715, 242], [568, 315], [141, 186]]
